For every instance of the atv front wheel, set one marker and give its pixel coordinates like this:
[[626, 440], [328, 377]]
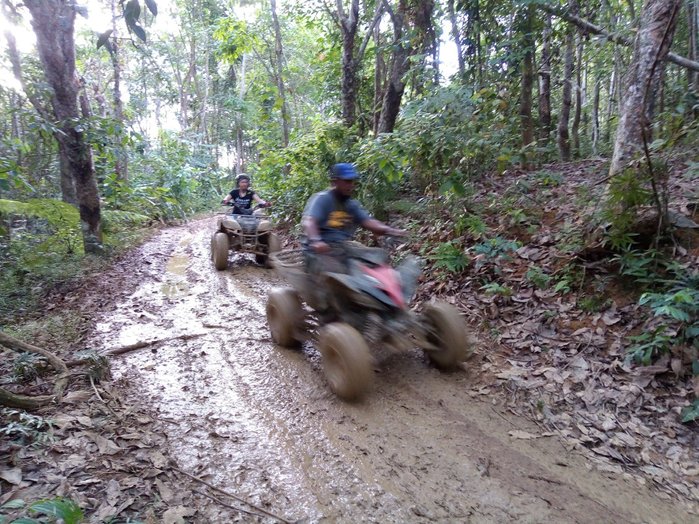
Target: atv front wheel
[[446, 331], [284, 316], [273, 245], [219, 250], [347, 361]]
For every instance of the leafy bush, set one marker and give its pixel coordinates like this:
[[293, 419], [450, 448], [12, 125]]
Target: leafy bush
[[538, 277], [449, 256], [57, 509]]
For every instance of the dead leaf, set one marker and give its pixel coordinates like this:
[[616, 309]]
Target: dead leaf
[[13, 476], [176, 515], [106, 446], [522, 435], [77, 397], [165, 492]]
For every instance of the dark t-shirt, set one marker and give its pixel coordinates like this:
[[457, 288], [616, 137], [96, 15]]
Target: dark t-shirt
[[336, 220], [242, 202]]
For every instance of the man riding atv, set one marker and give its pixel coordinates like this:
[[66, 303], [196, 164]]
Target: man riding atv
[[243, 196], [331, 218]]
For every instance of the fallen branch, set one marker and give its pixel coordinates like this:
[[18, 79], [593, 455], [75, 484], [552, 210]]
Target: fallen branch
[[614, 37], [131, 347], [58, 364], [231, 495]]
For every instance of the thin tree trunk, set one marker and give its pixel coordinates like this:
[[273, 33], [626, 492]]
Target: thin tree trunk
[[121, 167], [545, 83], [456, 35], [239, 137], [693, 43], [53, 22], [527, 68], [278, 51], [563, 134], [595, 116], [348, 26], [578, 96], [379, 80]]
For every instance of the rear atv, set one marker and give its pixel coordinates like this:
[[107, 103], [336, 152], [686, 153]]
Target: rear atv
[[245, 234]]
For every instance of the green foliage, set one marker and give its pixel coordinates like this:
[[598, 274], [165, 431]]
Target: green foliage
[[496, 249], [449, 256], [646, 346], [549, 178], [594, 304], [62, 220], [24, 428], [494, 288], [471, 224], [538, 277], [24, 367], [58, 509], [691, 413]]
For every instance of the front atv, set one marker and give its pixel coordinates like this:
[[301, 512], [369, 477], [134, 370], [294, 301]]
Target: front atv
[[362, 311], [245, 234]]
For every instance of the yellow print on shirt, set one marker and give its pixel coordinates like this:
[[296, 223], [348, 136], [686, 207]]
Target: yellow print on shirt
[[339, 219]]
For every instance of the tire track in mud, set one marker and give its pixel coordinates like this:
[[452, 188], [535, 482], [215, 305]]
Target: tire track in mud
[[259, 421]]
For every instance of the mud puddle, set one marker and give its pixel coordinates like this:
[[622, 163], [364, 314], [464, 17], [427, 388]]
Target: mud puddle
[[259, 421]]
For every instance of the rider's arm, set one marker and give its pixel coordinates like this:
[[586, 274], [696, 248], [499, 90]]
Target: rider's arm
[[257, 199], [312, 231], [379, 228], [227, 199]]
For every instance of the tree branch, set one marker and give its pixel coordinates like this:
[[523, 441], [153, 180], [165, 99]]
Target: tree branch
[[377, 16], [614, 37]]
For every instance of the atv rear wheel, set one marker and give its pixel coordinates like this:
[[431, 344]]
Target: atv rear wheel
[[284, 316], [445, 329], [347, 361], [219, 250], [273, 245]]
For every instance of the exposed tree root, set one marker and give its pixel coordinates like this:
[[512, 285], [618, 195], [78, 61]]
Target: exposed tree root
[[28, 402]]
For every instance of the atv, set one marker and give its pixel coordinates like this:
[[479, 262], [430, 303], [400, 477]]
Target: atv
[[245, 233], [366, 307]]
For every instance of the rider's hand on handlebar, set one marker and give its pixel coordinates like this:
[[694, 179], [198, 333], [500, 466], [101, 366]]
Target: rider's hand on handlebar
[[318, 246], [395, 232]]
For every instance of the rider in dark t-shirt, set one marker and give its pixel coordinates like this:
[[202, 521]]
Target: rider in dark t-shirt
[[242, 196]]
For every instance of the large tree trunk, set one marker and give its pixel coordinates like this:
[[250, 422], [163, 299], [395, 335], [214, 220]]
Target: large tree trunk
[[399, 67], [279, 54], [657, 27], [53, 22], [563, 134], [545, 83], [424, 40], [348, 26], [527, 68]]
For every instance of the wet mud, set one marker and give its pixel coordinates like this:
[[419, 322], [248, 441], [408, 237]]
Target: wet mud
[[259, 421]]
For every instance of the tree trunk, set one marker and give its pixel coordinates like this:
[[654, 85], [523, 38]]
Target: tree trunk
[[399, 67], [379, 80], [577, 116], [693, 44], [527, 67], [456, 35], [545, 83], [563, 135], [595, 116], [278, 51], [66, 179], [424, 40], [348, 27], [239, 136], [657, 27], [121, 167], [53, 22]]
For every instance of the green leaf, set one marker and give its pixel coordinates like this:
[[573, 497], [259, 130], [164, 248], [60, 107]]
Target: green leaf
[[13, 504], [64, 509], [132, 11], [103, 39], [140, 32], [691, 413], [25, 520], [152, 7]]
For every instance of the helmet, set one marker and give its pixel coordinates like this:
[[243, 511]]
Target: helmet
[[242, 176], [344, 171]]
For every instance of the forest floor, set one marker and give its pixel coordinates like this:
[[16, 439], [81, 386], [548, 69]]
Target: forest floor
[[212, 422]]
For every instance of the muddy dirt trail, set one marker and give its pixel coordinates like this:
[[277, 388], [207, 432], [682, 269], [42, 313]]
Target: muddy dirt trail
[[259, 421]]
